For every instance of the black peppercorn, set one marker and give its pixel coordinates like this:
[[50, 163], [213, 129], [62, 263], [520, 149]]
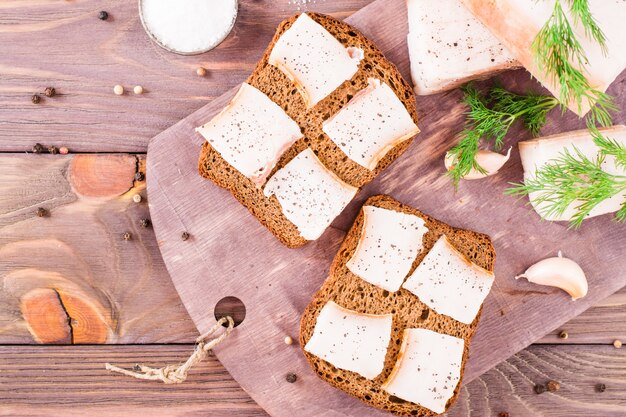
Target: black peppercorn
[[291, 377], [42, 212], [600, 387], [35, 99], [145, 222], [139, 176], [103, 15], [136, 368], [127, 236], [540, 389], [184, 236], [38, 148], [553, 386], [50, 92], [53, 150]]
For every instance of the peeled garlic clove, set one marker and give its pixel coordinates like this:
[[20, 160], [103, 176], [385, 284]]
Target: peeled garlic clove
[[558, 272], [490, 161]]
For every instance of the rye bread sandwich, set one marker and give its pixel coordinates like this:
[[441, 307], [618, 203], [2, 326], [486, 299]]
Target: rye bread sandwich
[[393, 322], [323, 113]]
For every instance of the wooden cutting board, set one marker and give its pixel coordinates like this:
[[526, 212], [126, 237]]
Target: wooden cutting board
[[229, 253]]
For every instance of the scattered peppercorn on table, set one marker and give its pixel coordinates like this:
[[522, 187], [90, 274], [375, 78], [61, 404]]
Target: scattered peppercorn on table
[[83, 90]]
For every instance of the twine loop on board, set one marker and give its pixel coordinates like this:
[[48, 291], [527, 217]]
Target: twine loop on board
[[176, 374]]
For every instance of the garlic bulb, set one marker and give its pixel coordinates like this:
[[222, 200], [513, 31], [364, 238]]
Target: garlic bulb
[[490, 161], [558, 272]]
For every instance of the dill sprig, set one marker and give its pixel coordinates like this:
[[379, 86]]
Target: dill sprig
[[582, 14], [559, 55], [490, 117], [574, 178], [610, 147], [531, 108]]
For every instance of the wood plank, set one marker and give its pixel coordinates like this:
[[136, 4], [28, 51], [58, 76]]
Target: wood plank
[[607, 316], [73, 267], [602, 323], [71, 381], [63, 44], [509, 387], [270, 280]]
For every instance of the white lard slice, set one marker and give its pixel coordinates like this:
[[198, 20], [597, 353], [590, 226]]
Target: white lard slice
[[449, 283], [371, 124], [536, 153], [314, 59], [350, 340], [309, 194], [448, 46], [389, 243], [251, 133], [516, 23], [429, 369]]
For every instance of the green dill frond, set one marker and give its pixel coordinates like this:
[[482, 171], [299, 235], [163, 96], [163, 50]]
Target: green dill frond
[[490, 123], [463, 155], [609, 146], [582, 14], [489, 118], [532, 108], [574, 86], [559, 55], [574, 178], [600, 113], [481, 122]]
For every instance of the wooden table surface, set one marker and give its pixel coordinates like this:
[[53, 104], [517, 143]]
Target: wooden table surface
[[74, 294]]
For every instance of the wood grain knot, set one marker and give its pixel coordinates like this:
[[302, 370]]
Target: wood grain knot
[[103, 175], [56, 317]]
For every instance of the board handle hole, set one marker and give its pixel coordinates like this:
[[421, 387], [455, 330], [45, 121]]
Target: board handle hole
[[230, 306]]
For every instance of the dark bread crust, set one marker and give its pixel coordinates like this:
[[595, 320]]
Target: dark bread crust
[[277, 86], [350, 291]]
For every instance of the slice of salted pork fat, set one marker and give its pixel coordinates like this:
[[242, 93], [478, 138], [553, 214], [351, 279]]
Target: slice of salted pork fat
[[309, 194], [448, 46], [428, 369], [371, 124], [516, 23], [251, 133], [449, 283], [351, 340], [536, 153], [389, 243], [313, 59]]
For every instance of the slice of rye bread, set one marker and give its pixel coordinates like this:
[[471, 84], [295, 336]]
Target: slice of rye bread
[[277, 86], [350, 291]]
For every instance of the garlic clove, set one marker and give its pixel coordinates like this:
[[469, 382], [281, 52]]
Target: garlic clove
[[490, 161], [558, 272]]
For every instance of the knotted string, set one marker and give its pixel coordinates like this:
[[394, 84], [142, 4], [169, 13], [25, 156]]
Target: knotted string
[[173, 374]]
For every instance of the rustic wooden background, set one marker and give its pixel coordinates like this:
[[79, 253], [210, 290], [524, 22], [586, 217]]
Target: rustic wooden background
[[70, 279]]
